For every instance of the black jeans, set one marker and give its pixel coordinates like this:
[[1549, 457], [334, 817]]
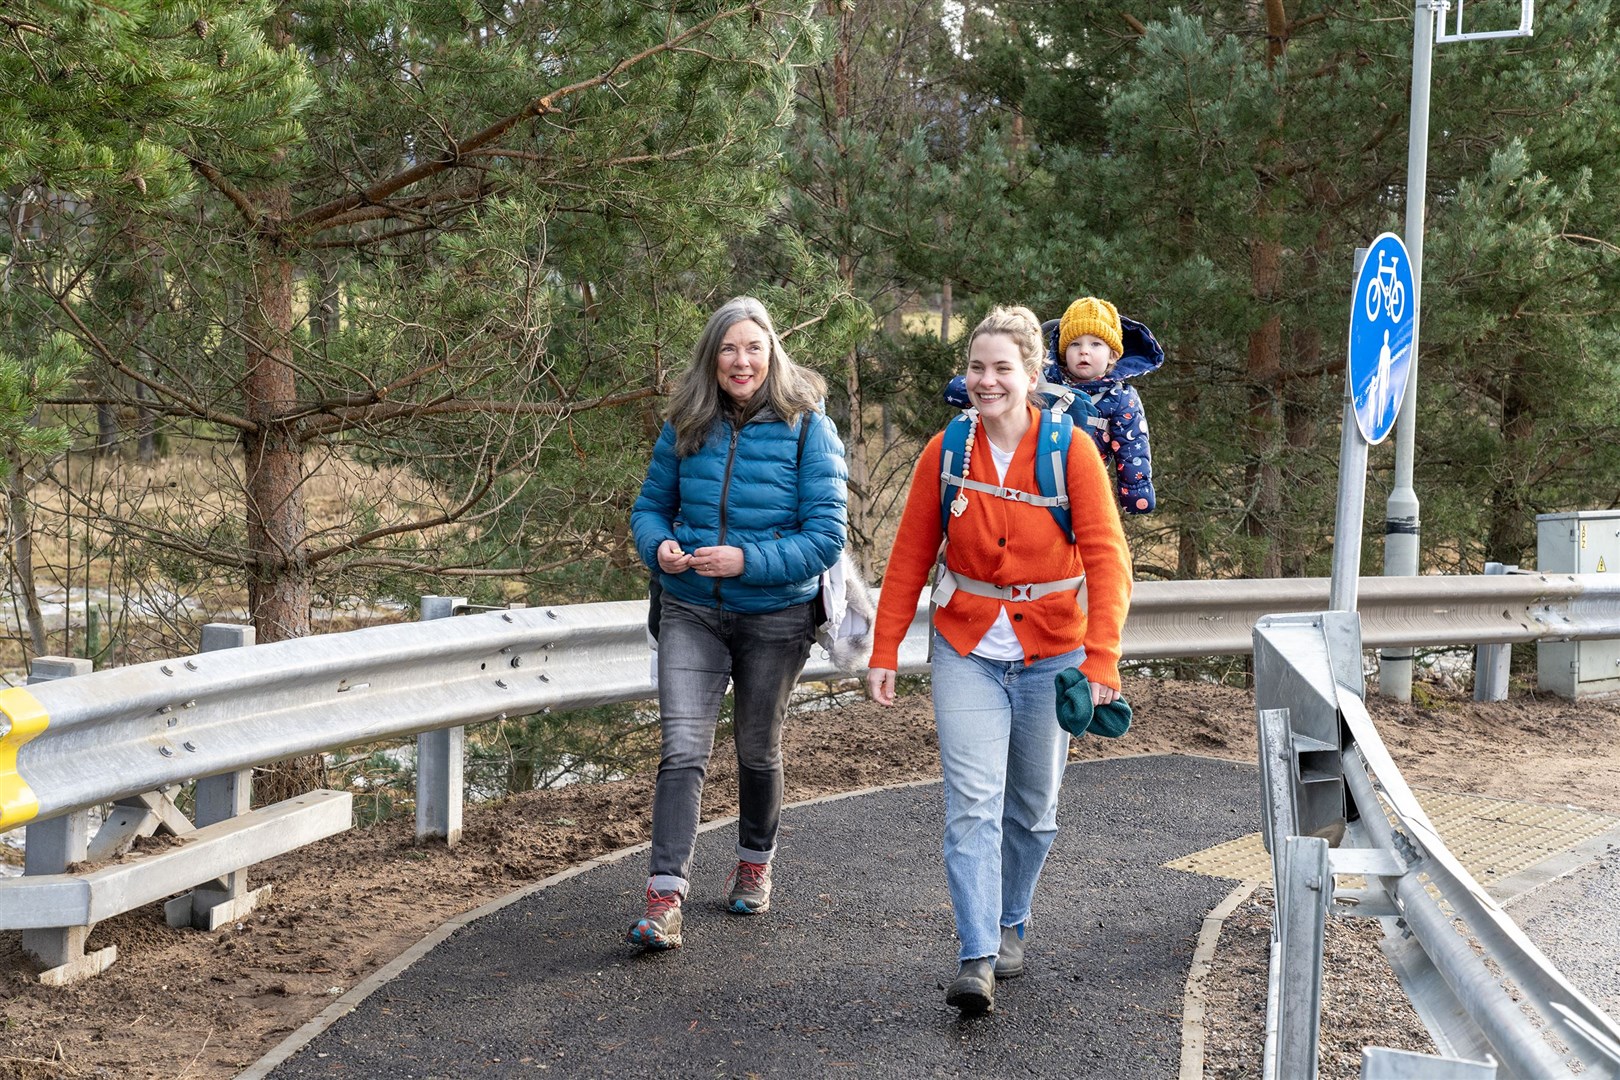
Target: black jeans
[[699, 650]]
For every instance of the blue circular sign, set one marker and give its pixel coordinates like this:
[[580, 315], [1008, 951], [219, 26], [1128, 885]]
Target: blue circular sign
[[1383, 316]]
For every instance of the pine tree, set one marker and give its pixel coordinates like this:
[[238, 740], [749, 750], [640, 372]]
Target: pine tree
[[482, 237]]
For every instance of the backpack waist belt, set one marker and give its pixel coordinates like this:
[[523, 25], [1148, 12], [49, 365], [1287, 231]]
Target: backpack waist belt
[[949, 582]]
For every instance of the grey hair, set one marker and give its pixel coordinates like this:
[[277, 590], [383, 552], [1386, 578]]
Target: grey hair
[[1020, 325], [697, 402]]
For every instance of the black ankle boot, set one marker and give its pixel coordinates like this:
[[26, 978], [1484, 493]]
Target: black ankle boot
[[974, 990]]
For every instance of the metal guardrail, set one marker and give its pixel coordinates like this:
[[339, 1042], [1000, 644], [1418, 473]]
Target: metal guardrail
[[96, 738], [129, 735], [1494, 1004]]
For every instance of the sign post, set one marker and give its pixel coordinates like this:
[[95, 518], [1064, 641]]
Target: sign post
[[1383, 323]]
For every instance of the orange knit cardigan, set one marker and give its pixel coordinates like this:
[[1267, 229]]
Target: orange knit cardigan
[[1005, 542]]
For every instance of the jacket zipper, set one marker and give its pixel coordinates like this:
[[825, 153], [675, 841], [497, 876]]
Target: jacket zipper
[[725, 492]]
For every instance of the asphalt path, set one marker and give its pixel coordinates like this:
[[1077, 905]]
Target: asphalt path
[[846, 975]]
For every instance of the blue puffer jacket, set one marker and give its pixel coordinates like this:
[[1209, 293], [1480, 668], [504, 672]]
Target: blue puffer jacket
[[743, 488]]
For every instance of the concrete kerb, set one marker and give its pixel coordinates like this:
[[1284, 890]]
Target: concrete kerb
[[391, 970], [1193, 1000]]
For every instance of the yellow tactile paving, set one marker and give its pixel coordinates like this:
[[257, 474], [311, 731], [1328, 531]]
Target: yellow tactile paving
[[1492, 838]]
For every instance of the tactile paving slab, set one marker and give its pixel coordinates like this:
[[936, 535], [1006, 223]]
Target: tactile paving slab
[[1492, 838]]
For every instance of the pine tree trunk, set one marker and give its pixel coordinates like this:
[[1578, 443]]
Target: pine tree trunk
[[22, 553], [279, 582], [106, 429], [1511, 538], [1262, 558], [323, 310], [855, 437]]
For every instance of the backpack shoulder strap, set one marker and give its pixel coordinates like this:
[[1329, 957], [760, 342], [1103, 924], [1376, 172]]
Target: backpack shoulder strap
[[951, 453], [806, 418], [1051, 465]]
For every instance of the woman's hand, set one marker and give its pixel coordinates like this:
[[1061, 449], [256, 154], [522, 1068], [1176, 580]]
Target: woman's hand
[[1102, 695], [880, 684], [721, 561], [671, 559]]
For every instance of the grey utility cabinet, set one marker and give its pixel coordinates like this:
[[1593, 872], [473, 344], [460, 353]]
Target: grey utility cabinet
[[1582, 542]]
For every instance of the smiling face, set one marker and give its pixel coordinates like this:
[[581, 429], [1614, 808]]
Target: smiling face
[[998, 381], [743, 360], [1087, 358]]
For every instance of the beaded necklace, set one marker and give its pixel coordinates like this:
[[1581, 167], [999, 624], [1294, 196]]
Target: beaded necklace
[[959, 504]]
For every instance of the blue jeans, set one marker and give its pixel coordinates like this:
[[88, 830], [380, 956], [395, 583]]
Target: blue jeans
[[1002, 753], [699, 650]]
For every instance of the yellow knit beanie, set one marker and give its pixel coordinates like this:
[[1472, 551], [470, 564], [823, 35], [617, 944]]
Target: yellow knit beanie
[[1089, 315]]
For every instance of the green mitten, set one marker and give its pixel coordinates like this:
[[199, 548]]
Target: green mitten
[[1076, 715]]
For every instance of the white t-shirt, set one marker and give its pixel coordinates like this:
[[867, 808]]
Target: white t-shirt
[[999, 642]]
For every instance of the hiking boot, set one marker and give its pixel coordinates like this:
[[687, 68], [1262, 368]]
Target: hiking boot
[[749, 888], [660, 928], [1010, 960], [974, 990]]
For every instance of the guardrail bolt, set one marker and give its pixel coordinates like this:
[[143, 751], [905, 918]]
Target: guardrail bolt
[[517, 661], [166, 751], [190, 746], [166, 669], [501, 683], [550, 614]]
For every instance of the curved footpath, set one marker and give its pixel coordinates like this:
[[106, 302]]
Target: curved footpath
[[844, 976]]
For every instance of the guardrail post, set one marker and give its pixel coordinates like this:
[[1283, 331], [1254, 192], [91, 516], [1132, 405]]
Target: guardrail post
[[50, 847], [1491, 662], [1304, 893], [219, 798], [439, 757]]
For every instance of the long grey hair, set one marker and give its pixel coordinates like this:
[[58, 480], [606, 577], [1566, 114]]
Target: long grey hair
[[697, 402]]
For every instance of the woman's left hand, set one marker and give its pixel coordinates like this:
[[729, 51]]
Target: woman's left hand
[[720, 561], [1102, 695]]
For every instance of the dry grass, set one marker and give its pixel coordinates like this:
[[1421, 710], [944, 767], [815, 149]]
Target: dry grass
[[104, 531]]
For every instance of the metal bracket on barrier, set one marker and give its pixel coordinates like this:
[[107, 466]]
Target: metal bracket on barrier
[[134, 817]]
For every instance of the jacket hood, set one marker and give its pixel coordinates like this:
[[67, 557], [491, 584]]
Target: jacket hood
[[1143, 353]]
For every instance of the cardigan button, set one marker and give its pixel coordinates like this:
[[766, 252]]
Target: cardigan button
[[1002, 542], [1018, 618]]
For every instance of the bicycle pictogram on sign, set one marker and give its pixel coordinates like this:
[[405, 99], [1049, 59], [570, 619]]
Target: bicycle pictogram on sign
[[1386, 292]]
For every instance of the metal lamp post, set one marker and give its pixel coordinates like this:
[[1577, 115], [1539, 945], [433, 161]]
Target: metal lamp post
[[1401, 524]]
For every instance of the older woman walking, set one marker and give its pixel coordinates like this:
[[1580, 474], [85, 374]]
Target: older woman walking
[[742, 509], [1009, 621]]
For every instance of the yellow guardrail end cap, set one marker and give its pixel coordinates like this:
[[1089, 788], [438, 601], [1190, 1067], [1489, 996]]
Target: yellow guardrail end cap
[[24, 718]]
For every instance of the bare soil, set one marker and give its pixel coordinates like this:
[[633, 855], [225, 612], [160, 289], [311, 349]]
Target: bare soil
[[181, 1003]]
